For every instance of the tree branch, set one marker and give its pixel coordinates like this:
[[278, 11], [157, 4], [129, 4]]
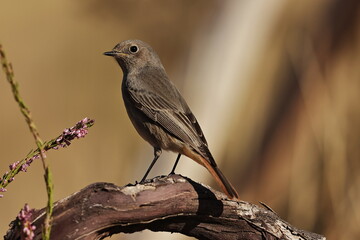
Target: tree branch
[[173, 204]]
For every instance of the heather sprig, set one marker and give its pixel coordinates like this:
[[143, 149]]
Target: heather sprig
[[78, 131], [8, 69], [63, 140], [24, 218], [40, 151]]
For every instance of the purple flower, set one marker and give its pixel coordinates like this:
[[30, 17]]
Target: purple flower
[[81, 133], [28, 162], [14, 165], [78, 131], [24, 217], [24, 167]]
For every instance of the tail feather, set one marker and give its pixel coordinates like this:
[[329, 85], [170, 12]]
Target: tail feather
[[225, 184], [221, 180]]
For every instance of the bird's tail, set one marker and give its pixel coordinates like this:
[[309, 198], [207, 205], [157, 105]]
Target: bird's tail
[[221, 180]]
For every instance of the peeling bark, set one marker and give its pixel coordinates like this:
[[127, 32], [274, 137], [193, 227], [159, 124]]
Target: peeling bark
[[172, 203]]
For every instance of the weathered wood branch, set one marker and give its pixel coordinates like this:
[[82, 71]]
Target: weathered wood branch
[[173, 204]]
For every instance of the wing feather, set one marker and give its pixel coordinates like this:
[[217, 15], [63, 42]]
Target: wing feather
[[177, 120]]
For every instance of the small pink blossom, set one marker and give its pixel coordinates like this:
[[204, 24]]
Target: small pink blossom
[[14, 165], [2, 190], [78, 131], [24, 217]]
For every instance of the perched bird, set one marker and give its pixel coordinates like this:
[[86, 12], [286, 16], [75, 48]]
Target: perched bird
[[159, 112]]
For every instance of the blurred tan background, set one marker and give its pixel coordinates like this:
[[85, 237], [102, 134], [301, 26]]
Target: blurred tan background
[[274, 84]]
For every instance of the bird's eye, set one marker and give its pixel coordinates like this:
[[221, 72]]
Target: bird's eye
[[134, 49]]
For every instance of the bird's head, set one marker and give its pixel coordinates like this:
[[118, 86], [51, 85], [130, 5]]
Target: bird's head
[[132, 55]]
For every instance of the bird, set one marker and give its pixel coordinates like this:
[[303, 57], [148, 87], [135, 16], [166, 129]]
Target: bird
[[158, 111]]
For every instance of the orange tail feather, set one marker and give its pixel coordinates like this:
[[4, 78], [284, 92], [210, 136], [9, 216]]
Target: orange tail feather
[[221, 180]]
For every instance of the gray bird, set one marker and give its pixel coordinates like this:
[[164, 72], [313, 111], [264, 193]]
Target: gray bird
[[158, 111]]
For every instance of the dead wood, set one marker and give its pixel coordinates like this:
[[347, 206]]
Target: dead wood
[[172, 204]]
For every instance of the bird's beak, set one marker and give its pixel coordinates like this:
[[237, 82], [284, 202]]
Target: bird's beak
[[110, 53]]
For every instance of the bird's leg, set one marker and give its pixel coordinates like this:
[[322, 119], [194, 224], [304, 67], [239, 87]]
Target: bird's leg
[[176, 163], [157, 153]]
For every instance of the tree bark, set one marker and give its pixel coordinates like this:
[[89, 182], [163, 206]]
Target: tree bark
[[172, 204]]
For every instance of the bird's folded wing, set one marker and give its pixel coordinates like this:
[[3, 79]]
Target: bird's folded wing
[[183, 125]]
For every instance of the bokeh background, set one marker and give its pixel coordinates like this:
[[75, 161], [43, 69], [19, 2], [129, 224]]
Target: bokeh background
[[274, 84]]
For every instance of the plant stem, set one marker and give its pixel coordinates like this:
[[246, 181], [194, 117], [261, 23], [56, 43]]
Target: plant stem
[[7, 67]]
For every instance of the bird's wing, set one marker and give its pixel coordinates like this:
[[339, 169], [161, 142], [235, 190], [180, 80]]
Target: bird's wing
[[177, 119]]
